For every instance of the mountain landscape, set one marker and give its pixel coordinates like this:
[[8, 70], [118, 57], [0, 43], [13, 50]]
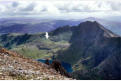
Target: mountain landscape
[[90, 48], [60, 39], [34, 25], [93, 47]]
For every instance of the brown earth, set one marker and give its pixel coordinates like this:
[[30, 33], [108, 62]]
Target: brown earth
[[14, 66]]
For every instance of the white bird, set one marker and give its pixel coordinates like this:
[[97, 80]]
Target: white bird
[[46, 35]]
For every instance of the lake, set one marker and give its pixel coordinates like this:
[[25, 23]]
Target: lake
[[66, 66]]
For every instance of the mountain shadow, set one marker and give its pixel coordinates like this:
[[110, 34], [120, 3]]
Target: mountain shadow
[[93, 47]]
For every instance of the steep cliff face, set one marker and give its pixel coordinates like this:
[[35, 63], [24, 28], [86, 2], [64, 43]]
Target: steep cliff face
[[91, 44], [15, 66], [111, 67], [90, 37]]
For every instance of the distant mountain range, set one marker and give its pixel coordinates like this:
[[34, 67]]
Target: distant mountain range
[[32, 25], [28, 25]]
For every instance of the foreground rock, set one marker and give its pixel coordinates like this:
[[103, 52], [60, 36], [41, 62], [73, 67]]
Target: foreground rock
[[14, 66]]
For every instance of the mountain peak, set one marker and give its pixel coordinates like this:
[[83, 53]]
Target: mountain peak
[[94, 26], [91, 22], [91, 19]]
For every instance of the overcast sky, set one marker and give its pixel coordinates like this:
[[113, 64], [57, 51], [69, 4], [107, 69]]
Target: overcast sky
[[64, 9]]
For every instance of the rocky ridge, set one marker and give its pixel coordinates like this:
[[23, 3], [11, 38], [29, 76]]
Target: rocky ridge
[[14, 66]]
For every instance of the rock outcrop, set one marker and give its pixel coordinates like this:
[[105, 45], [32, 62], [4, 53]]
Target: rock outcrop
[[14, 66]]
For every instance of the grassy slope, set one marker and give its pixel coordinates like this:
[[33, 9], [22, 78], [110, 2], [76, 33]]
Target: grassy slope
[[33, 45]]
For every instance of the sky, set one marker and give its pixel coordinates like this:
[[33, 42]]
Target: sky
[[61, 9]]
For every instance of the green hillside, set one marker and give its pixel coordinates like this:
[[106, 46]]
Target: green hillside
[[33, 45]]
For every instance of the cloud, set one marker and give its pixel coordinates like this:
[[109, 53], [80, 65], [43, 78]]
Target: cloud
[[60, 8]]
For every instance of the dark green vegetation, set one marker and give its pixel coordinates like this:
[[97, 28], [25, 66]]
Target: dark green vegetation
[[93, 51], [35, 46]]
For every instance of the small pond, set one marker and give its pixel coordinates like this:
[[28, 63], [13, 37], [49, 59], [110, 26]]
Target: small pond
[[67, 66]]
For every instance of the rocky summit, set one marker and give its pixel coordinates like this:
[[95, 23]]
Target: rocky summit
[[14, 66]]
